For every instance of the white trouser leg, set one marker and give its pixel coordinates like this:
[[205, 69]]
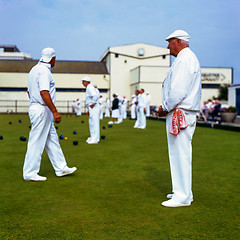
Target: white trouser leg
[[94, 125], [148, 110], [54, 151], [37, 139], [142, 118], [180, 157], [137, 123]]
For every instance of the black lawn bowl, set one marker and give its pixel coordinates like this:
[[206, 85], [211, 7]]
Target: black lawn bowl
[[23, 139], [103, 137], [75, 142]]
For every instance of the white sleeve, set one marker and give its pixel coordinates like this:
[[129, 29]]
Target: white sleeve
[[180, 83], [43, 81]]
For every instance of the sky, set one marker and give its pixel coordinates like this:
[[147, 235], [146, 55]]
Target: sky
[[84, 29]]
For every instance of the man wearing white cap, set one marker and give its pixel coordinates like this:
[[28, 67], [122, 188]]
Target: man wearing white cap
[[181, 94], [92, 97], [42, 112]]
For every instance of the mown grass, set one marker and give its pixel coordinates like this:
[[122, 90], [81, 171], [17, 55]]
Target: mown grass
[[118, 188]]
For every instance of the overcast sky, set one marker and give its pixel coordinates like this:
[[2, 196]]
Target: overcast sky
[[84, 29]]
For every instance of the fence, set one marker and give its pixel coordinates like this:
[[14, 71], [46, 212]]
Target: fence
[[21, 106]]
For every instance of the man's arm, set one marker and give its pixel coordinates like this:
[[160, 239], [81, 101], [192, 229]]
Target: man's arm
[[161, 112], [48, 101]]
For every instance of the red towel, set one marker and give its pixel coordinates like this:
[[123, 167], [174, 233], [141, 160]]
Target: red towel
[[178, 122]]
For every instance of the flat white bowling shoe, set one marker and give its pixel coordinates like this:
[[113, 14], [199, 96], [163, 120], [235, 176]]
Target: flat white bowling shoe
[[172, 203], [68, 171], [36, 178]]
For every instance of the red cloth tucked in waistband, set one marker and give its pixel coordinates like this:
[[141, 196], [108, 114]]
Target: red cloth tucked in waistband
[[178, 122]]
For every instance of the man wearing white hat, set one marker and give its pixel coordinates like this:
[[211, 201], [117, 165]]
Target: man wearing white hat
[[42, 112], [181, 95], [92, 97]]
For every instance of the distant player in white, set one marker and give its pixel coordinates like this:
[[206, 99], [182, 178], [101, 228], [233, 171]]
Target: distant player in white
[[124, 107], [92, 96], [108, 107], [133, 107], [148, 101], [78, 107], [100, 102]]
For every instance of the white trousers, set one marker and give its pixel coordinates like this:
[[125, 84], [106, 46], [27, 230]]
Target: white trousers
[[180, 157], [107, 112], [42, 136], [94, 123], [101, 112], [137, 123], [78, 111], [142, 118], [133, 111], [148, 110]]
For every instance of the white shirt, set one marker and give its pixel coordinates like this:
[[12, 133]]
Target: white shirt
[[142, 100], [100, 101], [40, 78], [92, 95], [182, 86], [108, 105], [148, 99]]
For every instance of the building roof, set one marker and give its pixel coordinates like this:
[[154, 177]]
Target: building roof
[[82, 67]]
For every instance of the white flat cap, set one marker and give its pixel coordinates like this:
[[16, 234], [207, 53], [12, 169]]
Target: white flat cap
[[47, 55], [180, 34], [87, 79]]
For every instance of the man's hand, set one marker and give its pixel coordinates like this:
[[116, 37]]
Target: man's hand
[[161, 113], [91, 106], [57, 117]]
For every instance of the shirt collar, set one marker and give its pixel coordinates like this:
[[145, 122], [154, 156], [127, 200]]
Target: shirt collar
[[48, 65], [182, 51]]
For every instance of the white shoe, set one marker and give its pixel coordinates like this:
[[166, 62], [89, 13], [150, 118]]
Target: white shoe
[[36, 178], [172, 203], [88, 140], [92, 142], [67, 172], [111, 122], [170, 195]]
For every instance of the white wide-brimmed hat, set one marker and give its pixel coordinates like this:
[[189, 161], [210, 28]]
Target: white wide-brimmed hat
[[47, 55]]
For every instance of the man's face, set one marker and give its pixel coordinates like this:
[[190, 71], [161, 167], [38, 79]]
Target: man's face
[[85, 83], [173, 46], [52, 62]]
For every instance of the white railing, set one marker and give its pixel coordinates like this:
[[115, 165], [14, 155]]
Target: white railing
[[21, 106]]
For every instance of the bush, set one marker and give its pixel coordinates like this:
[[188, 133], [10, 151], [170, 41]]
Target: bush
[[231, 109]]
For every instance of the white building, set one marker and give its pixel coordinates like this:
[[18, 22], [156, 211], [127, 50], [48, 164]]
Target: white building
[[11, 52], [121, 69]]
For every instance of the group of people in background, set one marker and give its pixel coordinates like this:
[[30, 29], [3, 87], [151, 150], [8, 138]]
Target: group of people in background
[[210, 107], [139, 107]]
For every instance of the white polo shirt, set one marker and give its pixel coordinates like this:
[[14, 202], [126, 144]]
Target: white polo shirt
[[40, 78], [182, 86]]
